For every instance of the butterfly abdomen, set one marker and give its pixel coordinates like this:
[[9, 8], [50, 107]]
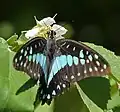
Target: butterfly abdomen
[[44, 95]]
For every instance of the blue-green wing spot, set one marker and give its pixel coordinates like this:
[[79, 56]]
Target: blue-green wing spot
[[30, 58], [38, 59], [63, 60], [34, 57], [59, 63], [76, 60], [82, 61], [81, 55], [69, 60]]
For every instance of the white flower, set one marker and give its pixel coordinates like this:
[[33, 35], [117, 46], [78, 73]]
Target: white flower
[[43, 27]]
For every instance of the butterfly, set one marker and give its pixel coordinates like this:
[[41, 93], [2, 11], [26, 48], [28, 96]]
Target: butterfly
[[56, 63]]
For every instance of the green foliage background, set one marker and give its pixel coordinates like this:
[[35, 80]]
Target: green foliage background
[[96, 21]]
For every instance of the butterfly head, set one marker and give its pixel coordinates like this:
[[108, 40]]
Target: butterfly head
[[51, 34]]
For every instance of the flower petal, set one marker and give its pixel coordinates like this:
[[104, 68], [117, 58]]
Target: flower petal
[[46, 21], [32, 33], [59, 37], [59, 30]]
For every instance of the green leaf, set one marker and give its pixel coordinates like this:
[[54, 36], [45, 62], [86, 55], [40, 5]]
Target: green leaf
[[114, 62], [117, 109], [22, 39], [90, 105], [45, 108], [10, 81], [109, 110], [94, 88], [12, 39], [70, 101], [15, 43]]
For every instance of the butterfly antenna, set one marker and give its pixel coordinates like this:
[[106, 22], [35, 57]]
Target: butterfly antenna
[[36, 20], [54, 15]]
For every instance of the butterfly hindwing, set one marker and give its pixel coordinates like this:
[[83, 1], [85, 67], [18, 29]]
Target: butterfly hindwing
[[30, 58], [56, 86]]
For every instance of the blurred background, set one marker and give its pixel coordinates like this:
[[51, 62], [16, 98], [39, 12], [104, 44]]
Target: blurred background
[[96, 21]]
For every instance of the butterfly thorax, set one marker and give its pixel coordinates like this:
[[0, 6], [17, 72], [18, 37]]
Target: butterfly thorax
[[50, 48], [50, 51], [51, 44]]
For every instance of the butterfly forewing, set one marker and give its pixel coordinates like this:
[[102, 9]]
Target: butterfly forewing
[[81, 61], [30, 58]]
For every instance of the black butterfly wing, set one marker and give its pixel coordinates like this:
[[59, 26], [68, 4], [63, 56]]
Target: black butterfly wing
[[84, 62], [56, 86], [73, 61], [30, 58]]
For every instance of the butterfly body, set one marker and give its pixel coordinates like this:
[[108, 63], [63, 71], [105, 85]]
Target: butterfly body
[[58, 63]]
